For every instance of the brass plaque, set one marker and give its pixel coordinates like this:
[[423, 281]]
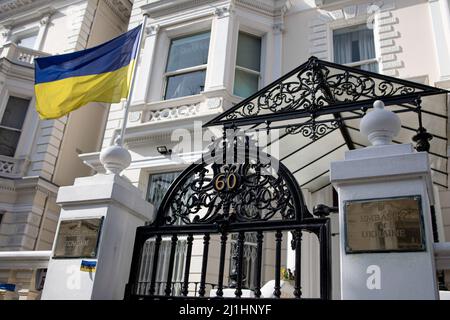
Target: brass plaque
[[78, 238], [381, 225]]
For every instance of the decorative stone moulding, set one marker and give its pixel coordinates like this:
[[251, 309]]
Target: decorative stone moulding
[[152, 29], [7, 166], [135, 116], [13, 167], [214, 103], [174, 113]]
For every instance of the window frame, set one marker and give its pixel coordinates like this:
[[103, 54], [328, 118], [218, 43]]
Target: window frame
[[29, 30], [247, 70], [25, 36], [8, 94], [168, 74], [242, 28], [149, 174], [354, 23]]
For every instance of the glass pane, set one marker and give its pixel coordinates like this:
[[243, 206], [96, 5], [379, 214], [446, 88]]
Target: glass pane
[[186, 84], [353, 44], [373, 67], [27, 42], [158, 186], [15, 112], [249, 52], [245, 83], [188, 52], [8, 142]]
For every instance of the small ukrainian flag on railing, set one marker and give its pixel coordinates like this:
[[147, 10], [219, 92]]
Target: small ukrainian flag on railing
[[88, 266], [64, 83]]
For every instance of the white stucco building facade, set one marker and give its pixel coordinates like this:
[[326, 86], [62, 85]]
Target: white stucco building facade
[[198, 59]]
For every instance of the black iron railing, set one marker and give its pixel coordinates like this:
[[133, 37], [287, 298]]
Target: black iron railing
[[176, 288], [201, 289]]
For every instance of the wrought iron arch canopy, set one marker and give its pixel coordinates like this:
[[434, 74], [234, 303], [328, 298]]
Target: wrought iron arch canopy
[[321, 100], [240, 192], [317, 89]]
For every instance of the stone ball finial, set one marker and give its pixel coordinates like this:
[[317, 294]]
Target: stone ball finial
[[115, 158], [380, 125]]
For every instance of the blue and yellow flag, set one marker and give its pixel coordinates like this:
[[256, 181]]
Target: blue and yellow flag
[[88, 266], [64, 83]]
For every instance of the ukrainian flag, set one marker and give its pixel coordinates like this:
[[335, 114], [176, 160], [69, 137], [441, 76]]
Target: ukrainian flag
[[64, 83], [88, 266]]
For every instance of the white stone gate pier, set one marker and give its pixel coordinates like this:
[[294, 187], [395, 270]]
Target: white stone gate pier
[[385, 192]]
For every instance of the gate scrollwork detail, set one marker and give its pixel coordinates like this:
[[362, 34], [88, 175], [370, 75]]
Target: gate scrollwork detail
[[232, 192]]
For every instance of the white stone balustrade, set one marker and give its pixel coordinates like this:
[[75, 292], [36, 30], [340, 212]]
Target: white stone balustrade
[[186, 107], [164, 112], [173, 113], [13, 167], [20, 55]]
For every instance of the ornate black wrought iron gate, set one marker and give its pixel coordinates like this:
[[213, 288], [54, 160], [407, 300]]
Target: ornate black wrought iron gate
[[210, 199]]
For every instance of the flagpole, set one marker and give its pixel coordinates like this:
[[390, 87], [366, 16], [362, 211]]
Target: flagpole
[[121, 137]]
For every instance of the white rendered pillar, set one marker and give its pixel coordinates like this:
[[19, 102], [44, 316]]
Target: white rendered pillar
[[145, 67], [43, 27], [120, 204], [219, 58], [380, 172], [440, 18], [277, 52]]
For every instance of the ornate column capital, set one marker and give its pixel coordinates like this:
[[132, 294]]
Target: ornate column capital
[[278, 27], [45, 20], [152, 30], [5, 32], [222, 12]]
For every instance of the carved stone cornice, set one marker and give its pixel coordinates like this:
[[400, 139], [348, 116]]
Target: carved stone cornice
[[29, 184], [10, 7], [147, 137], [122, 8], [165, 7], [272, 8], [10, 19]]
